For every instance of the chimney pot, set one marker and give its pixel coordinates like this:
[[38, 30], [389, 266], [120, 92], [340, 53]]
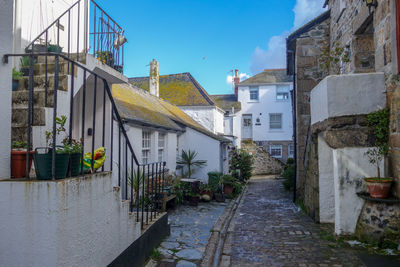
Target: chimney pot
[[154, 79], [236, 81]]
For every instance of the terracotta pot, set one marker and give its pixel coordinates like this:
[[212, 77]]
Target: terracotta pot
[[378, 189], [228, 190], [18, 163]]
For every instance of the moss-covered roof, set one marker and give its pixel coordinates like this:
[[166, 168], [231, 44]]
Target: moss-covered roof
[[140, 107], [227, 102], [269, 76], [179, 89]]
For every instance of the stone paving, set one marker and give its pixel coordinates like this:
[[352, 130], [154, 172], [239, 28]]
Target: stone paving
[[190, 230], [269, 230]]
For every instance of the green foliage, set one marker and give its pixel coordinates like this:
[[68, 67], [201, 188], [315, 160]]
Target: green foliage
[[228, 179], [25, 61], [215, 180], [156, 255], [188, 160], [135, 179], [289, 174], [332, 57], [74, 147], [16, 75], [18, 145], [300, 204], [241, 165], [378, 122]]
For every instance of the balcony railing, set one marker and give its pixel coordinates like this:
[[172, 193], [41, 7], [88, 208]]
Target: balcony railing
[[73, 34]]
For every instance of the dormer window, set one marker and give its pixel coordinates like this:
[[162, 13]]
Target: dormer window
[[253, 93], [282, 93]]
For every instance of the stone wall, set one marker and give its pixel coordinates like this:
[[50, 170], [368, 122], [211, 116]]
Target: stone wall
[[263, 162], [348, 27], [309, 72], [285, 148], [379, 221]]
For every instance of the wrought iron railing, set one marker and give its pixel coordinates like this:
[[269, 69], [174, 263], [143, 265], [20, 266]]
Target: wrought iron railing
[[104, 39], [145, 202]]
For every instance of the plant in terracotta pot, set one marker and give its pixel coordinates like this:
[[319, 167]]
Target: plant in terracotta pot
[[229, 183], [16, 76], [18, 159], [378, 121], [193, 198], [206, 189]]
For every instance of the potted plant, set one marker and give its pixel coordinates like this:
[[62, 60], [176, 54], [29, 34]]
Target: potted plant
[[206, 189], [106, 57], [25, 65], [135, 179], [16, 76], [218, 190], [229, 182], [76, 150], [378, 122], [18, 159], [193, 198], [55, 49], [43, 161], [188, 160]]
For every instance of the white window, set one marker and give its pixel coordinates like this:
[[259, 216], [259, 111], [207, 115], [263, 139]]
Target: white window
[[282, 93], [275, 120], [275, 151], [146, 146], [161, 146], [291, 150], [254, 93]]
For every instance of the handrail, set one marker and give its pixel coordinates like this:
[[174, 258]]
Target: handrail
[[102, 10]]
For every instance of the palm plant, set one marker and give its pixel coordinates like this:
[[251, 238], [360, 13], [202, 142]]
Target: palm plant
[[135, 179], [188, 160]]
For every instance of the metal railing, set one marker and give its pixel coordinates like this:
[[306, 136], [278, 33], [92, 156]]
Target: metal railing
[[144, 203], [105, 35]]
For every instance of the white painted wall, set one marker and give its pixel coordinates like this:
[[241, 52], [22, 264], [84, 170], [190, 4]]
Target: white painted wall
[[267, 104], [6, 46], [73, 222], [34, 16], [207, 149], [350, 166], [351, 94], [210, 117], [326, 182], [218, 120]]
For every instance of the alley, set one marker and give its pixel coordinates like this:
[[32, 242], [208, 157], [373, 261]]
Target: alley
[[269, 230]]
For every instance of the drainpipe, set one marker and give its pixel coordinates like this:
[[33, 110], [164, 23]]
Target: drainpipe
[[294, 123]]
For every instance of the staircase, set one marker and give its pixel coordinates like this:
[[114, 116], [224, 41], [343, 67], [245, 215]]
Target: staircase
[[20, 97]]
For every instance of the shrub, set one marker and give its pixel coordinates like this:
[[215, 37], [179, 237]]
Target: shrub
[[241, 165], [289, 174], [214, 180]]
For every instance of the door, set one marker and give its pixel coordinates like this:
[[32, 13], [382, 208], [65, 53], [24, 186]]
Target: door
[[247, 126]]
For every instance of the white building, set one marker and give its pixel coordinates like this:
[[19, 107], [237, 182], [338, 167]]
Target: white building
[[185, 92], [266, 112]]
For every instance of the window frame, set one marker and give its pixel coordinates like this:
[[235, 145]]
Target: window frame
[[291, 155], [276, 147], [271, 122], [161, 148], [282, 90], [146, 146], [253, 89]]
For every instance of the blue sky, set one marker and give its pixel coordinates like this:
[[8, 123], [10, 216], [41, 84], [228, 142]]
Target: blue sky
[[208, 38]]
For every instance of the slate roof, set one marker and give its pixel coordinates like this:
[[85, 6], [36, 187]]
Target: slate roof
[[179, 89], [268, 76], [226, 102], [141, 108]]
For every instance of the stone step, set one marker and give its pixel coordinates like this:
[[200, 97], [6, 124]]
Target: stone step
[[19, 116], [19, 133], [20, 98], [40, 68], [39, 81], [74, 56]]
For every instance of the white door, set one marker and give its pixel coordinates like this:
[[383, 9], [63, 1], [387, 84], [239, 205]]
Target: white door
[[247, 127]]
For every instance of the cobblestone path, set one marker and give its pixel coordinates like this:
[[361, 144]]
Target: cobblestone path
[[190, 230], [269, 230]]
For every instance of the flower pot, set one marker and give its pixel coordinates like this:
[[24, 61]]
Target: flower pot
[[378, 188], [55, 49], [219, 197], [25, 71], [228, 190], [43, 163], [15, 84], [193, 200], [75, 163], [18, 163]]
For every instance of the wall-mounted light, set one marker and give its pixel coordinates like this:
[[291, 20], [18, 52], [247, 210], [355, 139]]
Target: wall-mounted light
[[371, 3]]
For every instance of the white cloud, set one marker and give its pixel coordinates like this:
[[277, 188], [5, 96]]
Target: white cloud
[[242, 76], [274, 56]]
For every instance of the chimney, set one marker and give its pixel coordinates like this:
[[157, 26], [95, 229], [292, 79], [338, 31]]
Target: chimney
[[154, 79], [236, 81]]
